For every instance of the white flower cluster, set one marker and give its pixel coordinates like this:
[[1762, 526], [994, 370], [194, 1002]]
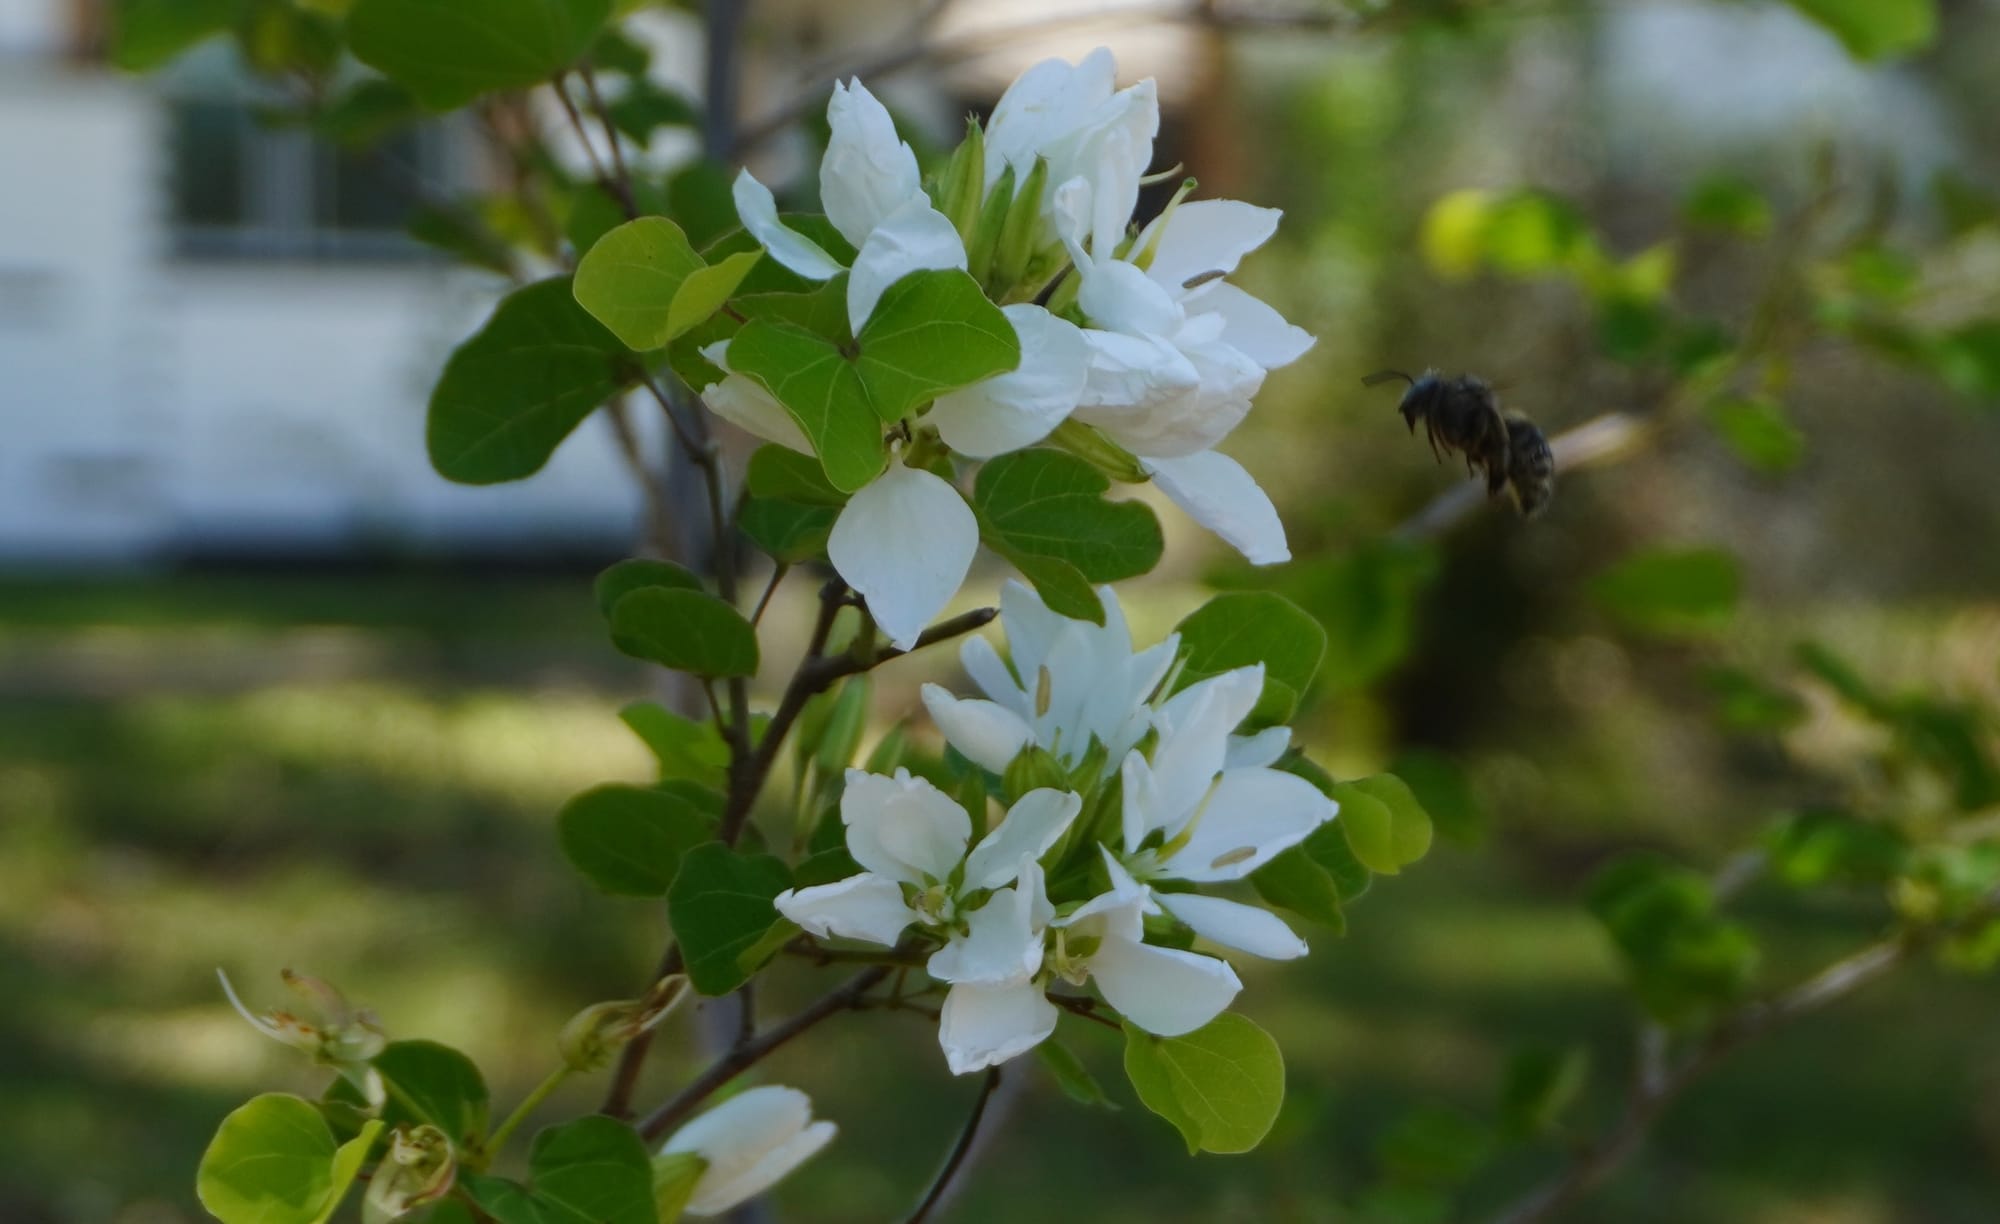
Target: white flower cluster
[[1175, 800], [1142, 338]]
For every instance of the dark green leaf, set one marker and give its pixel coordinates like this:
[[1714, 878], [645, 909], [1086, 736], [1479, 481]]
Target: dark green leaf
[[1075, 1079], [1540, 1084], [787, 532], [147, 33], [720, 906], [1062, 586], [1758, 430], [932, 332], [1047, 504], [1671, 592], [685, 748], [515, 390], [629, 840], [1366, 601], [449, 52], [783, 474], [1822, 845], [1873, 29], [636, 573], [1242, 628], [1683, 959], [689, 631], [1745, 703], [1728, 204], [1443, 790], [594, 1170], [1298, 883], [823, 392]]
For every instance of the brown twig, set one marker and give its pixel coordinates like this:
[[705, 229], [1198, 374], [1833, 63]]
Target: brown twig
[[1086, 1007], [745, 1055], [954, 1162], [632, 1059]]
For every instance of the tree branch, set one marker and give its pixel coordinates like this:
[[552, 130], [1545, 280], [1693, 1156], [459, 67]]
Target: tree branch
[[956, 1161], [632, 1059]]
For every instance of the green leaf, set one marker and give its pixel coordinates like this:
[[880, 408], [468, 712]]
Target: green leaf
[[1221, 1085], [1385, 825], [1758, 430], [1366, 602], [147, 33], [705, 291], [274, 1161], [783, 474], [366, 113], [686, 748], [637, 573], [1434, 1147], [1967, 359], [594, 1170], [1683, 960], [631, 277], [1242, 628], [1062, 586], [1746, 703], [720, 906], [629, 840], [1075, 1079], [787, 532], [1873, 29], [1822, 845], [932, 332], [690, 631], [1730, 205], [823, 392], [515, 390], [429, 1084], [449, 52], [1042, 506], [1539, 1086], [1671, 592], [1442, 789], [1298, 883]]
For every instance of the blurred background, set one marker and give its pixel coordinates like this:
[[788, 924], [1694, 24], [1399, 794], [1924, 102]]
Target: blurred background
[[274, 694]]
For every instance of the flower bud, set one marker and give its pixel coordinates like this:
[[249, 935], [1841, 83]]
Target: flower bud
[[984, 243], [1090, 445], [332, 1032], [1020, 231], [417, 1171], [964, 181], [595, 1035], [744, 1145], [1033, 768], [844, 726]]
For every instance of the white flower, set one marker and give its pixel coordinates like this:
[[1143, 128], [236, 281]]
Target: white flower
[[905, 542], [1165, 991], [987, 903], [1019, 408], [748, 1143], [1071, 683]]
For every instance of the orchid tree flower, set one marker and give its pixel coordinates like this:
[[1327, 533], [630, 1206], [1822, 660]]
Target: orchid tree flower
[[985, 902], [333, 1032], [1206, 810], [742, 1148], [1165, 991], [1072, 684]]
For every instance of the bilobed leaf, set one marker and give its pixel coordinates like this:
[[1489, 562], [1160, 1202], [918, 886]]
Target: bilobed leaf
[[594, 1170], [690, 631], [1385, 825], [1043, 503], [630, 277], [274, 1160], [148, 33], [1075, 1079], [788, 532], [704, 292], [636, 573], [1873, 29], [449, 52], [1671, 591], [817, 384], [1221, 1085], [629, 840], [515, 390], [783, 474], [931, 332], [685, 748], [1242, 628], [1062, 586], [1298, 883], [720, 906], [1441, 787]]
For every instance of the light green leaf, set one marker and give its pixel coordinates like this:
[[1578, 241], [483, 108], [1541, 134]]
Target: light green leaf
[[932, 332], [705, 291], [690, 631], [1873, 29], [720, 906], [1221, 1085], [1242, 628], [1758, 430], [1671, 592], [594, 1170], [449, 52], [274, 1161], [147, 33], [1385, 825], [628, 839], [637, 573], [515, 390], [631, 276]]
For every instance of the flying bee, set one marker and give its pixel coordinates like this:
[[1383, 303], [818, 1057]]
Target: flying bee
[[1462, 415]]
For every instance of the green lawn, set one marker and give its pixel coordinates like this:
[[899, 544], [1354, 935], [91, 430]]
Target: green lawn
[[356, 777]]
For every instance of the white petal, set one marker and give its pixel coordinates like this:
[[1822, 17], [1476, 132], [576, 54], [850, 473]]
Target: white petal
[[990, 673], [866, 906], [903, 827], [1031, 629], [1263, 748], [1045, 101], [1020, 407], [744, 403], [1235, 925], [759, 213], [1219, 703], [1031, 826], [1000, 946], [749, 1142], [1194, 741], [1118, 297], [905, 542], [984, 1026], [1217, 493], [868, 171], [989, 735], [914, 238], [1118, 913], [1143, 809], [1209, 236], [1164, 991], [1250, 326], [1252, 816]]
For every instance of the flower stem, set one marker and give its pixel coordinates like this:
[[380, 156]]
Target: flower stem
[[498, 1141], [954, 1162]]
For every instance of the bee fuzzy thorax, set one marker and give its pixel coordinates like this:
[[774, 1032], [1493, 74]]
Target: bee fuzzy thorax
[[1461, 415]]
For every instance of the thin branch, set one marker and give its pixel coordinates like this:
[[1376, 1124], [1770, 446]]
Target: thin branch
[[632, 1059], [658, 517], [1656, 1085], [745, 1055], [1601, 440], [698, 454], [622, 182], [778, 573], [808, 948], [805, 683], [1086, 1007], [956, 1161]]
